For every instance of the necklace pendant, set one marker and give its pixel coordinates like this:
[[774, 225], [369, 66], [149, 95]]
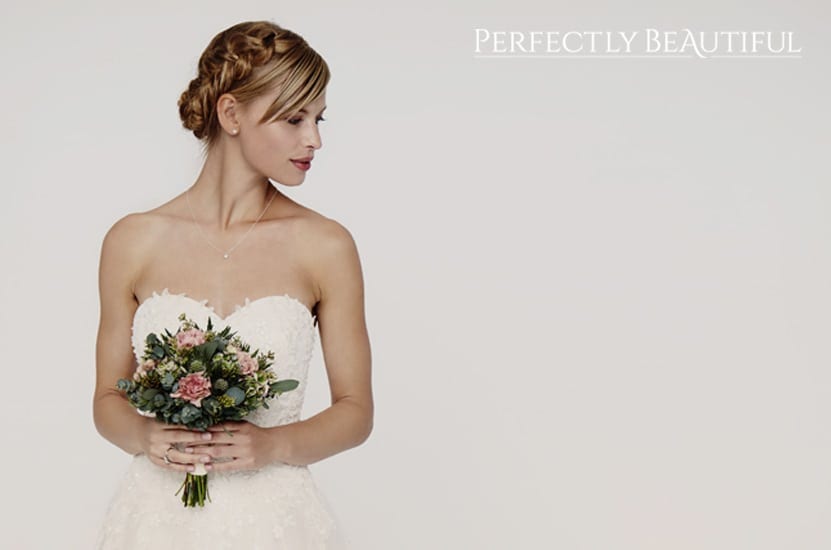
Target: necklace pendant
[[226, 255]]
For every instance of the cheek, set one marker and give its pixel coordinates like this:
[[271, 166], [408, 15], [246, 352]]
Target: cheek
[[264, 147], [276, 142], [269, 149]]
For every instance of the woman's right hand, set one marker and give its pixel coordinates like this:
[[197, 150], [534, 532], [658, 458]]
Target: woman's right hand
[[157, 438]]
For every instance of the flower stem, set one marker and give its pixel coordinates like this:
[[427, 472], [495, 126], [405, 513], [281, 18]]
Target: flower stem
[[194, 489]]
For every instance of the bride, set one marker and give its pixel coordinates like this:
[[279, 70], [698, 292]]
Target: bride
[[233, 247]]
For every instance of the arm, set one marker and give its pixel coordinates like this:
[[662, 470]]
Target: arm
[[115, 419], [347, 422]]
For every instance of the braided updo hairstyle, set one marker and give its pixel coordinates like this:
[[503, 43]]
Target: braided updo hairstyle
[[247, 60]]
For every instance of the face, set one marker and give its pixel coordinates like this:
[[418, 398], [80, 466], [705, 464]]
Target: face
[[280, 149]]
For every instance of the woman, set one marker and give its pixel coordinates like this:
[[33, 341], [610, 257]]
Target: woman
[[235, 249]]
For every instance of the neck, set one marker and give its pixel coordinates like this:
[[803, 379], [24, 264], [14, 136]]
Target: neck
[[226, 194]]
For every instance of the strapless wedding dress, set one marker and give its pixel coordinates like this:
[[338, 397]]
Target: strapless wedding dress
[[278, 507]]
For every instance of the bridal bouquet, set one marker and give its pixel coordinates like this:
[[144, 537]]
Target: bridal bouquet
[[198, 378]]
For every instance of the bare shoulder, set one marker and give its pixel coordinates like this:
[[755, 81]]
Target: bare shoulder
[[332, 253], [328, 232], [129, 228], [127, 243], [120, 241], [325, 236]]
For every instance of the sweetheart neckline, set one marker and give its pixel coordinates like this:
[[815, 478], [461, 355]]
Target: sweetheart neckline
[[237, 308]]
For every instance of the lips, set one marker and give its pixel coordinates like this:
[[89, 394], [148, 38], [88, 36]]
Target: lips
[[303, 164]]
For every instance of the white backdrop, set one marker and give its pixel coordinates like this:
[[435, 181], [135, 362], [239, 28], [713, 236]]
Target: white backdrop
[[597, 289]]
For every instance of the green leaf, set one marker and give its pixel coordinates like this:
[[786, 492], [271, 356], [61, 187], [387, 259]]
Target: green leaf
[[149, 394], [190, 413], [285, 385], [236, 394], [209, 349], [167, 381], [210, 406], [196, 365]]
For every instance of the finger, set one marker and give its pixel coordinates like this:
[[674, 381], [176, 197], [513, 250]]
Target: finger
[[222, 451], [172, 466], [171, 437], [184, 436], [200, 447], [177, 453], [237, 437], [169, 429], [224, 466], [177, 427], [185, 457], [226, 426]]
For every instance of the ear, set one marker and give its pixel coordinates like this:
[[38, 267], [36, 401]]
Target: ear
[[228, 111]]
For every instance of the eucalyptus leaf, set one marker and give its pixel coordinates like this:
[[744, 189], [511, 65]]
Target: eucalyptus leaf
[[158, 352], [236, 394], [190, 413], [167, 381], [149, 394], [210, 406], [285, 385]]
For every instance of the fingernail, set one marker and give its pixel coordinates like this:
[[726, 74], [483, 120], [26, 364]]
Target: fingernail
[[209, 466], [188, 449], [190, 468], [206, 436], [205, 459]]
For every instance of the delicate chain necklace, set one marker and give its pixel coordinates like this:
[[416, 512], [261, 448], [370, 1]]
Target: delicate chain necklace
[[227, 253]]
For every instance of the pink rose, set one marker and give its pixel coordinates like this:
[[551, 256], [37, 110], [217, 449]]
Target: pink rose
[[189, 338], [194, 387], [247, 364], [146, 366]]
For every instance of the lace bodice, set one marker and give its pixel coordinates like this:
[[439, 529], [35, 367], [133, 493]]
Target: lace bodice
[[280, 323]]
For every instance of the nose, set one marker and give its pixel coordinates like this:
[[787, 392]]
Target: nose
[[313, 137]]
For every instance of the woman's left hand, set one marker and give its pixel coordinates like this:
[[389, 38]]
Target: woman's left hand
[[246, 447]]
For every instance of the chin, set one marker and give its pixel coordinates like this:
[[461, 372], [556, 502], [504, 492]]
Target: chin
[[289, 182]]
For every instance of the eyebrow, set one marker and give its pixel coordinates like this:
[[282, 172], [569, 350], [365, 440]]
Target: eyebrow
[[320, 113]]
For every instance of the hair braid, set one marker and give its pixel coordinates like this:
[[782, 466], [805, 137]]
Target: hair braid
[[247, 60]]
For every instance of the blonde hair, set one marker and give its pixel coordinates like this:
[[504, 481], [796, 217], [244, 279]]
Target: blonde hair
[[247, 60]]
